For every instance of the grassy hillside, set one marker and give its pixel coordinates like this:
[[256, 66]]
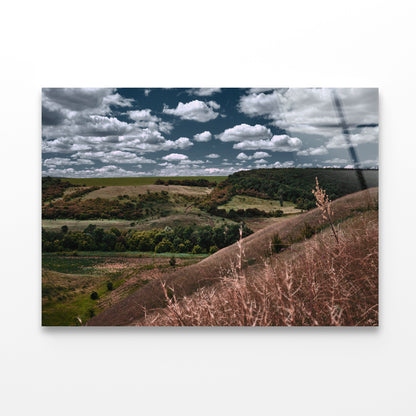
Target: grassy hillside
[[317, 282], [336, 182], [246, 202], [255, 247], [68, 281], [292, 184]]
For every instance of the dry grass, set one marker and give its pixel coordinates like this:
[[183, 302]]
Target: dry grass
[[313, 283], [111, 192], [245, 202], [208, 272]]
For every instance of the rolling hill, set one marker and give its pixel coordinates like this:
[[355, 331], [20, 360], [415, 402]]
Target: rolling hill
[[132, 309]]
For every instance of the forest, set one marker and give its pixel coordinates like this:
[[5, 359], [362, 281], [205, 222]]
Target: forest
[[180, 239]]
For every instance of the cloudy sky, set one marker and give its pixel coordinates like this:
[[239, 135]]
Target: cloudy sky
[[109, 132]]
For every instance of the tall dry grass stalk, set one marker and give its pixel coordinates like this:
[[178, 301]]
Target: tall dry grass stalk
[[312, 283], [324, 204]]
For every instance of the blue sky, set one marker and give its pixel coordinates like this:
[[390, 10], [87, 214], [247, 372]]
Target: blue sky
[[110, 132]]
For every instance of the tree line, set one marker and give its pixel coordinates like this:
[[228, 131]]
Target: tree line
[[294, 185], [187, 182], [180, 239], [124, 207]]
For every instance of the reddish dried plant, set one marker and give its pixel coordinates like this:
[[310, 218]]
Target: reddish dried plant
[[324, 204], [315, 282]]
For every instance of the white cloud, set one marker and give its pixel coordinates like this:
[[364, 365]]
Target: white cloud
[[213, 156], [282, 143], [194, 110], [336, 160], [245, 132], [62, 161], [313, 151], [144, 119], [105, 171], [203, 92], [205, 136], [243, 156], [83, 100], [260, 104], [142, 115], [115, 156], [258, 90], [149, 141], [183, 143], [287, 164], [365, 135], [87, 125], [214, 105], [311, 110], [175, 157], [171, 169], [256, 155], [260, 161]]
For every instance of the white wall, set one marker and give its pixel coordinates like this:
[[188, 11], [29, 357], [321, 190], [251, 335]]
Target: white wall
[[205, 371]]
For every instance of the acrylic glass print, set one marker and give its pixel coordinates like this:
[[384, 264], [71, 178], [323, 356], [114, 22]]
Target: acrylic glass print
[[210, 207]]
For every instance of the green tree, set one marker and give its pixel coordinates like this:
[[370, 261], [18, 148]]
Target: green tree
[[197, 249], [165, 246]]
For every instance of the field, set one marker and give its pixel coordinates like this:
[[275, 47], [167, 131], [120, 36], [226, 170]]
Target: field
[[68, 281], [134, 190], [146, 180], [111, 244], [253, 252], [189, 219], [246, 202]]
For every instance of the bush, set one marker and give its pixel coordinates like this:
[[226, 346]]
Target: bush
[[110, 286], [172, 261], [197, 249], [165, 246], [94, 296], [213, 249], [308, 231], [277, 244]]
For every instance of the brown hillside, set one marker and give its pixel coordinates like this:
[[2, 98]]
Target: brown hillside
[[110, 192], [208, 271]]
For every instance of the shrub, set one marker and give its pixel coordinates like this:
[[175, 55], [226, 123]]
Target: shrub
[[110, 286], [213, 249], [308, 231], [119, 247], [277, 244], [197, 249], [172, 261], [94, 296], [165, 246]]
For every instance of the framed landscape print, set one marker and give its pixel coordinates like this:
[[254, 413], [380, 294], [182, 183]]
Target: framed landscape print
[[210, 206]]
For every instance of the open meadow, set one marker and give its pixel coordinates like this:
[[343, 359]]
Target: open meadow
[[110, 245], [70, 280]]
